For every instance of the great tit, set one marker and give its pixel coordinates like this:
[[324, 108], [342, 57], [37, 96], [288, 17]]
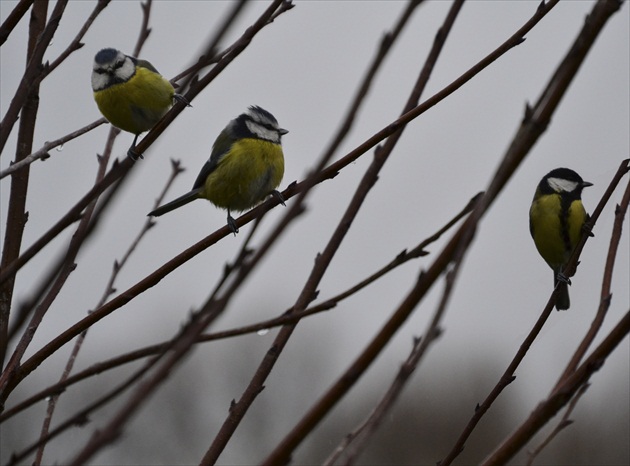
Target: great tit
[[130, 93], [246, 165], [556, 222]]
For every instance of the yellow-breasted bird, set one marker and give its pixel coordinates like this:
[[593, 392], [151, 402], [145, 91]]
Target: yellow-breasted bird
[[130, 93], [556, 223], [246, 164]]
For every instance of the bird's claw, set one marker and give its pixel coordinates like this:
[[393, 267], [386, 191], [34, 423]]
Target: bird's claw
[[275, 193], [182, 99], [133, 155], [563, 278], [231, 223], [587, 230]]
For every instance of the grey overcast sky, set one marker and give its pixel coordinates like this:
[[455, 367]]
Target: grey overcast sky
[[304, 69]]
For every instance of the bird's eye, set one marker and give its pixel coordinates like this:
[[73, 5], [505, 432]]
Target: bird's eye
[[119, 64]]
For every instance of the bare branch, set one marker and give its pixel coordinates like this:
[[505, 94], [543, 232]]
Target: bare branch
[[508, 376], [17, 215], [282, 453], [561, 396], [120, 169], [356, 442], [13, 19], [563, 424], [284, 319], [606, 293], [109, 289], [76, 43], [43, 153], [32, 75], [145, 30], [210, 56]]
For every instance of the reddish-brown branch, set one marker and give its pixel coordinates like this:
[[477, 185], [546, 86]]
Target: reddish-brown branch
[[560, 396], [16, 214], [13, 19]]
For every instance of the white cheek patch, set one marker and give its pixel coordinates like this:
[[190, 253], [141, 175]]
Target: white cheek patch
[[103, 80], [99, 81], [262, 132], [127, 70], [561, 185]]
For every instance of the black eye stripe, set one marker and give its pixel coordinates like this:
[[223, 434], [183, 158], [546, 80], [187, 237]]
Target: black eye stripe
[[268, 126]]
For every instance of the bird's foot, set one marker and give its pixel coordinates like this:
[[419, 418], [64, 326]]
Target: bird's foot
[[231, 223], [133, 155], [275, 193], [587, 230], [563, 278], [182, 99]]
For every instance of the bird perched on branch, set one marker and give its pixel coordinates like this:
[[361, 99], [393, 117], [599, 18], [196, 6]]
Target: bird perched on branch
[[130, 93], [246, 165], [556, 222]]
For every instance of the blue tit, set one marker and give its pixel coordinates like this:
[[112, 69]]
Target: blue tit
[[556, 222], [246, 164], [130, 93]]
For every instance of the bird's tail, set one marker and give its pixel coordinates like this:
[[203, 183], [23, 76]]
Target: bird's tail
[[562, 302], [180, 201]]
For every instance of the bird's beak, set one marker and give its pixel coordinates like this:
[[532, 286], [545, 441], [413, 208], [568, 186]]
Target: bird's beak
[[586, 184], [282, 131]]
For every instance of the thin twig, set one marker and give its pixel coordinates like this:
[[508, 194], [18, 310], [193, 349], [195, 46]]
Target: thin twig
[[17, 215], [199, 85], [76, 43], [308, 293], [508, 376], [82, 417], [561, 396], [67, 266], [120, 169], [109, 289], [356, 442], [283, 451], [145, 30], [181, 344], [285, 318], [563, 424], [43, 153], [295, 188], [13, 19], [209, 55], [33, 73], [606, 293]]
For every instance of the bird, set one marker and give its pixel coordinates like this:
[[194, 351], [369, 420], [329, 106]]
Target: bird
[[556, 222], [246, 164], [130, 93]]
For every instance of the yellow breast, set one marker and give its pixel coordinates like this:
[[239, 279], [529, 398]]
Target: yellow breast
[[250, 171], [138, 104], [556, 233]]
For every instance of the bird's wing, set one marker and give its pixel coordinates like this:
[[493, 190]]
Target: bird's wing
[[146, 64], [220, 147]]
